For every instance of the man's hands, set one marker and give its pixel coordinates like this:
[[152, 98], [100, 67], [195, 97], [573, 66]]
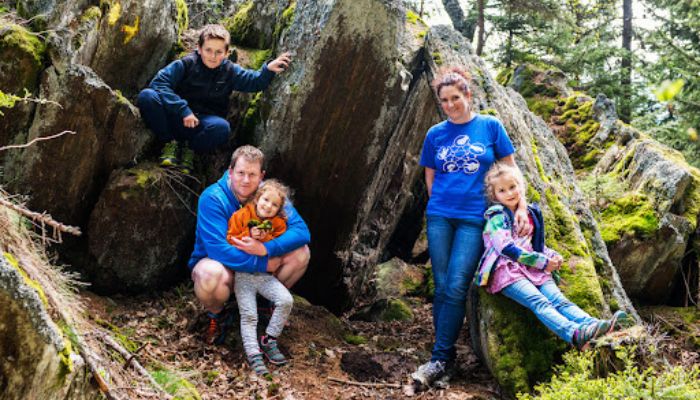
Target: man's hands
[[554, 263], [250, 246], [280, 63], [190, 121]]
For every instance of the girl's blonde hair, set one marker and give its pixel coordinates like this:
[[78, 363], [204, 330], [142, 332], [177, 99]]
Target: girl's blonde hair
[[499, 169], [273, 185]]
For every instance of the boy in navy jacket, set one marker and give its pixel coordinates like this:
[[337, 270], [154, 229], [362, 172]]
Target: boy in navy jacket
[[187, 101]]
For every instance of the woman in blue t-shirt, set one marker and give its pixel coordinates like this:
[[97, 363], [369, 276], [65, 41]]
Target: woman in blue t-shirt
[[456, 155]]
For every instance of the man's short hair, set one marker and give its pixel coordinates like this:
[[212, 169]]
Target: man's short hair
[[250, 154], [214, 31]]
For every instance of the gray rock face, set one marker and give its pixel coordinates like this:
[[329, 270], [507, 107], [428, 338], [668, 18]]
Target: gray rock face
[[589, 278], [256, 24], [344, 127], [141, 231], [135, 39], [30, 346], [109, 134]]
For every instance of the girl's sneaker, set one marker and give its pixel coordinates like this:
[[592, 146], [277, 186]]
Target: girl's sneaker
[[584, 335], [271, 351], [620, 320], [258, 365]]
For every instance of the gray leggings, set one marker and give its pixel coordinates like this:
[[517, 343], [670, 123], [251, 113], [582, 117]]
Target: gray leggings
[[246, 286]]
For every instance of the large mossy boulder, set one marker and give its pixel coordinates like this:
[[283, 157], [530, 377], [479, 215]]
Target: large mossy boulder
[[518, 350], [21, 61], [36, 360], [344, 126], [65, 175], [645, 196], [141, 231]]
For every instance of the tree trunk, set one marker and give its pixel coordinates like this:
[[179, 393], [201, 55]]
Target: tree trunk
[[626, 65], [480, 24], [454, 10]]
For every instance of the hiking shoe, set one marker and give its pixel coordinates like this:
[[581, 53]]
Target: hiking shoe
[[258, 365], [602, 327], [620, 320], [168, 157], [214, 328], [269, 347], [186, 159], [584, 335], [429, 372]]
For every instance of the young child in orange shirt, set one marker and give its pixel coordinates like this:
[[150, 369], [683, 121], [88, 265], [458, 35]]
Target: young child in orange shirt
[[263, 219]]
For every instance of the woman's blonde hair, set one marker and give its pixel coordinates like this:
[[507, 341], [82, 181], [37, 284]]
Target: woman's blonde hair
[[497, 170], [273, 185]]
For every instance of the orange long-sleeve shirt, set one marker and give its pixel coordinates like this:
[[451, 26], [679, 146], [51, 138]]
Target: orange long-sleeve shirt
[[238, 224]]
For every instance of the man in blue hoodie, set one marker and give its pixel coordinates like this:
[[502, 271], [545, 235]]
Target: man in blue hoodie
[[187, 101], [214, 260]]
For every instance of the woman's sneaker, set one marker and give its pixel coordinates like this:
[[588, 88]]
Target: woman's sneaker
[[272, 352], [258, 365], [429, 372]]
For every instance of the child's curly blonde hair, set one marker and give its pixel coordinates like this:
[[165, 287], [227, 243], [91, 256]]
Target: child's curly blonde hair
[[499, 169], [273, 185]]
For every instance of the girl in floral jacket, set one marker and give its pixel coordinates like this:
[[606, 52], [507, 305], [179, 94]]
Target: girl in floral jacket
[[521, 267]]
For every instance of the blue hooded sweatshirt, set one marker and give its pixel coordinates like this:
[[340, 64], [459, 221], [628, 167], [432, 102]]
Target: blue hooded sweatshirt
[[216, 205]]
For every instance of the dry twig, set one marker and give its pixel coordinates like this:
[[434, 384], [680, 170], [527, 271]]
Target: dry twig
[[366, 384], [126, 354], [38, 139], [43, 218]]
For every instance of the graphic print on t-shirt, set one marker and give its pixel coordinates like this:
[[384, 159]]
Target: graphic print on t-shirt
[[461, 155]]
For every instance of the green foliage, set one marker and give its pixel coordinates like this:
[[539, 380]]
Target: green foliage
[[285, 20], [175, 385], [668, 90], [576, 379], [632, 214], [7, 100], [258, 57], [183, 20], [354, 339]]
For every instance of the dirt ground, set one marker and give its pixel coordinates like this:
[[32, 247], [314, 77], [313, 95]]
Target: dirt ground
[[165, 331]]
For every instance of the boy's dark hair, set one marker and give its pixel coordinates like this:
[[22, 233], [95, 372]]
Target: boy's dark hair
[[214, 31]]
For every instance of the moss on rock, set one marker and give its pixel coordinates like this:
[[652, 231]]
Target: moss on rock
[[632, 214], [240, 26]]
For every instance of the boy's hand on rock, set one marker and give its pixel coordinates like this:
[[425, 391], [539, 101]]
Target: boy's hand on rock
[[280, 63], [190, 121]]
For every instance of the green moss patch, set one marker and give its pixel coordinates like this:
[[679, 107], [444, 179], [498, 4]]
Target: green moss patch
[[522, 348], [285, 20], [182, 20], [175, 385], [29, 281], [240, 27], [354, 339], [632, 214], [91, 14], [19, 37]]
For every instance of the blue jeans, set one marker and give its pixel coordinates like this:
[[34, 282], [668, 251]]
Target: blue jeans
[[556, 312], [455, 247], [211, 132]]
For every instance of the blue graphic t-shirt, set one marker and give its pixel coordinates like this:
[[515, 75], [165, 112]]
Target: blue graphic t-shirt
[[461, 154]]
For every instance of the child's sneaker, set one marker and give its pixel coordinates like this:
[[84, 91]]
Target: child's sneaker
[[168, 157], [429, 372], [584, 335], [620, 320], [268, 344], [258, 365], [186, 159], [214, 328]]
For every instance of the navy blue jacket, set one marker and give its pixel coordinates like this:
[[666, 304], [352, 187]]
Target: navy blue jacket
[[187, 86]]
